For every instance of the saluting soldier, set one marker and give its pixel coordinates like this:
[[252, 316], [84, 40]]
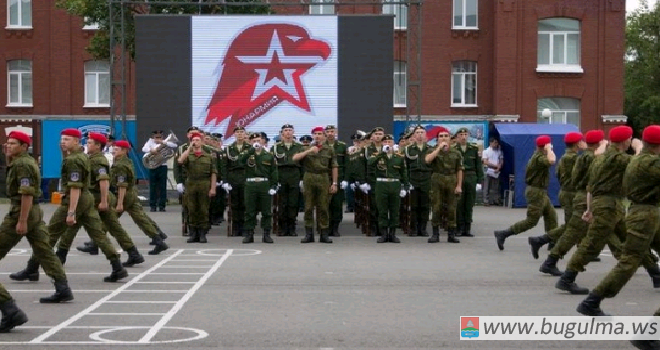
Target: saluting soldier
[[233, 175], [356, 173], [261, 179], [371, 151], [420, 181], [201, 177], [289, 174], [337, 200], [318, 160], [350, 190], [473, 174]]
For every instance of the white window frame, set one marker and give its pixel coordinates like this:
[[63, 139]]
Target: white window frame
[[320, 5], [560, 67], [97, 74], [464, 16], [93, 26], [462, 77], [20, 73], [400, 76], [400, 12], [20, 17], [560, 113]]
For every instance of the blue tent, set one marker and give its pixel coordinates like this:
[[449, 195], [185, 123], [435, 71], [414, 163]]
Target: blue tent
[[518, 142]]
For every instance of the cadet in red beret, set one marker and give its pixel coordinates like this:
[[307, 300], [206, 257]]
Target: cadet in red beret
[[20, 136], [123, 144], [620, 133], [72, 132], [537, 179]]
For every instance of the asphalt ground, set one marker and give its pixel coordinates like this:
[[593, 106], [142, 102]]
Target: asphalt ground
[[352, 294]]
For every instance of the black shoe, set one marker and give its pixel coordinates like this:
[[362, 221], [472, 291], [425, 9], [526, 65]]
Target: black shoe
[[654, 273], [62, 293], [309, 236], [153, 209], [501, 236], [325, 237], [422, 230], [392, 236], [248, 237], [536, 243], [467, 230], [549, 266], [161, 209], [266, 238], [384, 237], [435, 238], [591, 306], [202, 236], [567, 282], [134, 257], [160, 246], [91, 249], [194, 235], [30, 273], [12, 316], [118, 271], [646, 344], [451, 236]]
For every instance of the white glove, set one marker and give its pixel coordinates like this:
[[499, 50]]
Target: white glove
[[256, 145], [272, 192], [396, 148], [351, 149], [343, 185], [386, 148], [402, 193], [369, 187], [218, 184], [180, 188], [226, 187], [353, 187], [411, 188], [364, 188], [478, 187]]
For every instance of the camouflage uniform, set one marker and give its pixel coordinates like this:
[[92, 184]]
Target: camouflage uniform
[[316, 184], [199, 169], [443, 196]]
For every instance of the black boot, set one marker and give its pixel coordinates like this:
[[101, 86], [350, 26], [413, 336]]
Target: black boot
[[12, 316], [202, 235], [266, 238], [591, 306], [423, 231], [325, 236], [467, 230], [118, 271], [536, 243], [193, 232], [501, 236], [62, 294], [30, 273], [385, 236], [248, 236], [654, 273], [435, 238], [646, 344], [159, 246], [392, 236], [61, 254], [451, 236], [551, 245], [88, 243], [567, 282], [292, 227], [335, 230], [92, 249], [415, 230], [134, 257], [241, 230], [162, 235], [549, 266], [309, 235]]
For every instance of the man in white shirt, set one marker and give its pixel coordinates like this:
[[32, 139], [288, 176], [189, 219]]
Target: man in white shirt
[[493, 159], [157, 176]]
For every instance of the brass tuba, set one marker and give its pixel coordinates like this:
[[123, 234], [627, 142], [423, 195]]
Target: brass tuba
[[163, 153]]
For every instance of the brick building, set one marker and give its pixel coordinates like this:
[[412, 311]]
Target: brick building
[[500, 60]]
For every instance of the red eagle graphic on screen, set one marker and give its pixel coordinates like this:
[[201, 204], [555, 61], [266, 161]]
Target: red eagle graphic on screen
[[261, 69]]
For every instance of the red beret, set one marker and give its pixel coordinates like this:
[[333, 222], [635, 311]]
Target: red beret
[[196, 134], [123, 144], [542, 140], [100, 138], [318, 129], [441, 129], [72, 132], [651, 134], [20, 136], [573, 137], [620, 133], [594, 136]]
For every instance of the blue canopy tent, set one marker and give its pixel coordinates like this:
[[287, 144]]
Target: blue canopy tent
[[518, 142]]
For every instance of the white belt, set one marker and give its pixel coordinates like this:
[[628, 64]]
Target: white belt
[[385, 179], [256, 179]]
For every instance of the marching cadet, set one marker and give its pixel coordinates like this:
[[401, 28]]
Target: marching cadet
[[336, 210], [289, 174], [391, 185], [447, 174], [473, 174], [318, 160], [201, 178], [260, 186], [420, 181], [233, 175], [371, 151]]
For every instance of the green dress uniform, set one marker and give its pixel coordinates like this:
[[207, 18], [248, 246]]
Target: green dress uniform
[[290, 173], [260, 177], [370, 152], [316, 191], [336, 211], [218, 202], [391, 179], [473, 174], [420, 179], [233, 173], [356, 172], [443, 192], [199, 168]]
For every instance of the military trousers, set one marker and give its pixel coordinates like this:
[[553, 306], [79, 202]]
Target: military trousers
[[576, 228], [134, 208], [538, 205], [566, 202], [217, 206], [443, 200], [468, 197], [388, 202], [236, 178], [37, 236], [289, 193], [257, 200], [198, 202], [316, 187], [336, 206], [420, 204], [373, 208]]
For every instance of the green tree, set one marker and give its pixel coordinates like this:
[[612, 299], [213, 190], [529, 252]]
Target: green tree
[[98, 12], [642, 67]]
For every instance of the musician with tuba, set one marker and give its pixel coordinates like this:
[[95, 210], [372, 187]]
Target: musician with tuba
[[157, 153]]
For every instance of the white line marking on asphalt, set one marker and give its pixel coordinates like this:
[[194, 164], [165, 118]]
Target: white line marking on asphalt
[[177, 273], [126, 314], [166, 282], [51, 291], [200, 334], [138, 302], [193, 260], [68, 273], [186, 266], [154, 291]]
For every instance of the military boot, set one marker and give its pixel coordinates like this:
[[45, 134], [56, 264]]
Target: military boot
[[92, 249], [435, 238], [202, 235], [549, 266], [467, 230], [646, 344], [88, 243], [325, 236], [654, 272], [501, 236], [385, 237], [335, 230], [309, 235], [536, 243], [61, 254], [460, 229], [30, 273], [194, 235], [422, 230], [118, 271], [248, 236], [134, 257], [12, 316], [292, 226], [591, 306], [159, 247], [241, 230], [551, 245], [567, 282], [392, 236], [266, 238], [162, 236], [62, 293], [451, 236]]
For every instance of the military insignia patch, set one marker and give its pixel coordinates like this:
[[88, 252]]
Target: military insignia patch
[[75, 176], [120, 179], [25, 181], [102, 171]]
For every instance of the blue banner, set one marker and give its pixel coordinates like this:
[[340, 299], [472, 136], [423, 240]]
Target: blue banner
[[51, 155], [478, 129]]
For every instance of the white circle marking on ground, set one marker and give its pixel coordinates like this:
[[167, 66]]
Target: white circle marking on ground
[[222, 252], [200, 334]]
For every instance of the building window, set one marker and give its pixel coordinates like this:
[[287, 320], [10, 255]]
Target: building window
[[19, 13], [559, 45], [97, 84], [400, 84], [464, 84], [19, 83], [400, 12], [89, 25], [322, 9], [562, 111], [465, 14]]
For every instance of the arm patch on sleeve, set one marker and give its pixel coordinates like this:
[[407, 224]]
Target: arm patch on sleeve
[[120, 179], [102, 171], [75, 176], [25, 181]]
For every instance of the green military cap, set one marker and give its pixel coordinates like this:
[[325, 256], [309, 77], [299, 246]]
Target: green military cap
[[330, 127], [287, 126], [418, 127], [377, 129], [192, 128], [217, 135], [238, 128], [255, 135], [264, 136], [408, 135], [306, 138], [463, 129], [388, 137], [368, 136]]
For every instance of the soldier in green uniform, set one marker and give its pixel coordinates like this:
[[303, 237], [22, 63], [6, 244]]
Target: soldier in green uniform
[[356, 173], [290, 174], [233, 175], [350, 190], [218, 202], [473, 174], [261, 179], [537, 178], [337, 200], [318, 160], [201, 177], [371, 151], [420, 181], [574, 143], [392, 184], [447, 174], [180, 177]]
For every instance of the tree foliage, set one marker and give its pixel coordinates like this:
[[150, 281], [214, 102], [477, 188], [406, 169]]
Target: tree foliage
[[642, 67], [98, 12]]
